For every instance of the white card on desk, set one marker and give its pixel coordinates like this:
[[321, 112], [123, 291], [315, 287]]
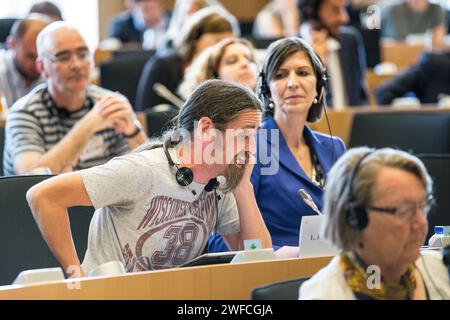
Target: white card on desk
[[311, 242]]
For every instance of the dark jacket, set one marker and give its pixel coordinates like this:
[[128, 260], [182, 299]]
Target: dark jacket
[[123, 27], [353, 63], [426, 79]]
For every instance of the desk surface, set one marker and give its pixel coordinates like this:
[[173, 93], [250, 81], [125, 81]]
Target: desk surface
[[226, 281]]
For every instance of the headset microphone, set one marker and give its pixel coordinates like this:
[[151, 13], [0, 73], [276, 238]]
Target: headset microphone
[[211, 185], [184, 175]]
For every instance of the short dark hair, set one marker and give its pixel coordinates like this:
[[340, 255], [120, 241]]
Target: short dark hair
[[48, 8], [309, 9], [221, 101], [277, 53], [21, 26]]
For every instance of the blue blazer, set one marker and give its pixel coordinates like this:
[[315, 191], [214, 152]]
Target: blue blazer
[[277, 194]]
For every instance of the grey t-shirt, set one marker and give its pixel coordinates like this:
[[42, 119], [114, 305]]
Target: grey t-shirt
[[141, 211], [398, 21]]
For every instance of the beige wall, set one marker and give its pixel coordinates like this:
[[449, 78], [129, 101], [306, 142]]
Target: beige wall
[[244, 10], [107, 9]]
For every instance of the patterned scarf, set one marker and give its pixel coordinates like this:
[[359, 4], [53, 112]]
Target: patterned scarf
[[357, 279]]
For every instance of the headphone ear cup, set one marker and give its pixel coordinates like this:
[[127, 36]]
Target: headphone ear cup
[[264, 88], [184, 176], [356, 216], [321, 85]]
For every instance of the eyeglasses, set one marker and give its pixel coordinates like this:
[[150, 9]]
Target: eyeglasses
[[65, 57], [407, 211]]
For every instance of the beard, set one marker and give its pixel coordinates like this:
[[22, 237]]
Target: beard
[[235, 172], [29, 75]]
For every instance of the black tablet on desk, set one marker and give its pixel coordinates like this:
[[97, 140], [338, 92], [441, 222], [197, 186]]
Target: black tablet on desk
[[210, 258]]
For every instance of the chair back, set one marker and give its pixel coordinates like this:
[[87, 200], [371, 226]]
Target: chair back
[[158, 119], [21, 243], [416, 132], [123, 72], [5, 28], [283, 290], [438, 166]]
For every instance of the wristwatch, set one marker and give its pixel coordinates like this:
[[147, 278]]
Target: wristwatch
[[134, 133]]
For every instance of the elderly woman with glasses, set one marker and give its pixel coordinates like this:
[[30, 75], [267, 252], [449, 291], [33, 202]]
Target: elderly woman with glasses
[[376, 204]]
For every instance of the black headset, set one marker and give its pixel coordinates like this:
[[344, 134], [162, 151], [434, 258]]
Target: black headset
[[184, 175], [356, 215]]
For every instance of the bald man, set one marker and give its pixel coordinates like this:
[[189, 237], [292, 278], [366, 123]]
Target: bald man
[[67, 124], [18, 71]]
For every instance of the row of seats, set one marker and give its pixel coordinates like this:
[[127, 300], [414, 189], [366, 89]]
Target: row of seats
[[418, 132], [23, 247]]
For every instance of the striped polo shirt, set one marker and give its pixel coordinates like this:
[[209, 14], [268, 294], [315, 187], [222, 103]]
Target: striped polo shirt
[[36, 124]]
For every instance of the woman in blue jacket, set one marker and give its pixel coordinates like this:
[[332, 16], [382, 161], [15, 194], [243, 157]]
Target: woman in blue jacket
[[292, 88], [290, 155]]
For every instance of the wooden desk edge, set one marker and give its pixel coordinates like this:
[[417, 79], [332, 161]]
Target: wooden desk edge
[[225, 281]]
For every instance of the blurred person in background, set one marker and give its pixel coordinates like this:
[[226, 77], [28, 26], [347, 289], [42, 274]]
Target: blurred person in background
[[66, 123], [18, 71], [182, 10], [231, 59], [277, 19], [340, 47], [428, 80], [167, 67], [146, 24], [414, 17]]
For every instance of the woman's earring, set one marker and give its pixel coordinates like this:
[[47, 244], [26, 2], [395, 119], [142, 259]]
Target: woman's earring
[[315, 100], [271, 105]]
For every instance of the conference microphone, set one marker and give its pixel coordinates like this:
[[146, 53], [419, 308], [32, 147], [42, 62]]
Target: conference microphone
[[306, 197], [165, 93]]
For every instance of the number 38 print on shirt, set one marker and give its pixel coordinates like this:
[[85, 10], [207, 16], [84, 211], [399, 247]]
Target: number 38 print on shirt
[[172, 232]]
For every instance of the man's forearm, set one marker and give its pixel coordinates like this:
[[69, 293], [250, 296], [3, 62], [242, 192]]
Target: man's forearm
[[55, 228], [251, 222], [66, 152]]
